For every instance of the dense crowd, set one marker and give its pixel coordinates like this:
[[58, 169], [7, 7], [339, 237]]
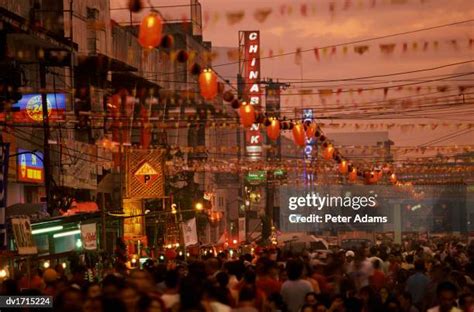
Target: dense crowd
[[413, 277]]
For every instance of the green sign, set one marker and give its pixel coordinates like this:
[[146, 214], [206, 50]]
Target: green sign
[[256, 176], [278, 172]]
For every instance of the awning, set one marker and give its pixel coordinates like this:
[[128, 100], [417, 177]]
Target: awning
[[36, 211]]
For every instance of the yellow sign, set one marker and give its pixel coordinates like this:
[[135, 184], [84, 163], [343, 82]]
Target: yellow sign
[[146, 169]]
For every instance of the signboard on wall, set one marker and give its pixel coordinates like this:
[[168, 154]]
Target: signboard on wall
[[30, 108], [30, 166], [89, 236], [144, 173], [24, 239]]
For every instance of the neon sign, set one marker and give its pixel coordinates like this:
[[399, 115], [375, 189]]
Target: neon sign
[[30, 107]]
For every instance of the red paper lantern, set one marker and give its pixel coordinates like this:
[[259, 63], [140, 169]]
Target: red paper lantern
[[149, 35], [352, 175], [208, 84], [328, 152], [343, 167], [393, 178], [371, 177], [247, 115], [299, 134], [311, 130], [273, 130]]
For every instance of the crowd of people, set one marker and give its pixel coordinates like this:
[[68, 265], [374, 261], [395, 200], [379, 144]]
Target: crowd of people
[[387, 277]]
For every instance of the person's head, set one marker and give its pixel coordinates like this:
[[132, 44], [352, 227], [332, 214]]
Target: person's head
[[409, 259], [376, 264], [69, 300], [92, 304], [191, 292], [172, 279], [419, 266], [93, 290], [247, 294], [405, 300], [392, 305], [350, 255], [212, 266], [308, 308], [320, 308], [447, 293], [294, 269], [466, 301], [311, 298], [130, 296], [111, 286], [222, 279]]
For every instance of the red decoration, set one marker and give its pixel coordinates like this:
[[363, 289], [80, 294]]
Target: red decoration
[[371, 177], [299, 134], [208, 84], [353, 175], [328, 152], [393, 178], [149, 35], [273, 130], [247, 115], [311, 130], [343, 167]]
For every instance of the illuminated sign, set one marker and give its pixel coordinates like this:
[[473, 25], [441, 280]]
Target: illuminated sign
[[256, 177], [251, 90], [308, 150], [146, 174], [252, 67], [30, 109], [30, 166]]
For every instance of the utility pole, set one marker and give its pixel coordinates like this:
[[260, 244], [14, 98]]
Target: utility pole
[[46, 156]]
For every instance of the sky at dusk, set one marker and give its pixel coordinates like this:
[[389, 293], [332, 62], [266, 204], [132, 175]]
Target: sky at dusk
[[293, 25]]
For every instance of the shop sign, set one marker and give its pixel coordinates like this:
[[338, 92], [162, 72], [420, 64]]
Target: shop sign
[[89, 236], [30, 166], [146, 174], [30, 107]]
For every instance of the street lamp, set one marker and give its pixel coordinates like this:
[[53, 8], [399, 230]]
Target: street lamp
[[199, 206]]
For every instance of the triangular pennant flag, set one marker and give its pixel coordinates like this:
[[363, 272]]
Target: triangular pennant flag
[[235, 17], [361, 49], [316, 53], [387, 48], [261, 15]]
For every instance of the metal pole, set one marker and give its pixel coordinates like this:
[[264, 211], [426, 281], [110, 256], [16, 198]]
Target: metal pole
[[46, 158], [104, 224]]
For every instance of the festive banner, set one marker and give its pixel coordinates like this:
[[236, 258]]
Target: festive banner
[[190, 232], [24, 239], [89, 236]]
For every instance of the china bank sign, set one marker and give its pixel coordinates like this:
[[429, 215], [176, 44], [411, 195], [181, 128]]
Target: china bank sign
[[251, 90]]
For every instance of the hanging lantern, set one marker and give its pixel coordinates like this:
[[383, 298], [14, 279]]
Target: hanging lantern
[[311, 130], [393, 178], [273, 130], [182, 56], [328, 152], [135, 6], [208, 84], [299, 135], [149, 35], [352, 175], [228, 96], [371, 177], [235, 103], [247, 115], [195, 69], [343, 167]]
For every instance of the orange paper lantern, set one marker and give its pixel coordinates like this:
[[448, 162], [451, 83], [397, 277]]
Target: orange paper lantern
[[273, 130], [371, 177], [149, 34], [328, 152], [352, 175], [299, 135], [247, 115], [343, 167], [208, 84]]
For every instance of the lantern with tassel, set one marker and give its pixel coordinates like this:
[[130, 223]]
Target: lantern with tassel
[[247, 115], [343, 167], [208, 84], [328, 152], [299, 134], [149, 35], [273, 130]]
